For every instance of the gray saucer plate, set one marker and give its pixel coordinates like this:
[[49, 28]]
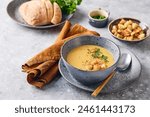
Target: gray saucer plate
[[120, 81], [12, 10]]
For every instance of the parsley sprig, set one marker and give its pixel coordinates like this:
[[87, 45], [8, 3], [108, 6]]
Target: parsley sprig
[[98, 54], [68, 6]]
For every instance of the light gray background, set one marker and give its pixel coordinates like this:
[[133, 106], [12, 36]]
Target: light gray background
[[17, 44]]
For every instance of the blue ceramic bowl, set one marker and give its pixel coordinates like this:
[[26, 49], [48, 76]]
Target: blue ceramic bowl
[[90, 77], [97, 22]]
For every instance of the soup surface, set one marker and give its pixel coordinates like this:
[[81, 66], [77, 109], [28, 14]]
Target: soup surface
[[90, 58]]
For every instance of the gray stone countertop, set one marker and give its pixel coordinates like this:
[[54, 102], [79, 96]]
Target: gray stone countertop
[[17, 44]]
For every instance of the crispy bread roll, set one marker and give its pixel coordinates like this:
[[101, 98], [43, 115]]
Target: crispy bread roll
[[30, 12], [37, 12], [57, 14], [50, 10]]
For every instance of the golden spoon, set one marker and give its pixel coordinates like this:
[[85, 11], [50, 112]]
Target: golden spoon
[[123, 64]]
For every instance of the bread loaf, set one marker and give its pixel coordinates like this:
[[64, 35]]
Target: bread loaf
[[40, 12]]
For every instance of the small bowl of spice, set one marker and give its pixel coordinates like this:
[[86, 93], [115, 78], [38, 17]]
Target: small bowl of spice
[[98, 17]]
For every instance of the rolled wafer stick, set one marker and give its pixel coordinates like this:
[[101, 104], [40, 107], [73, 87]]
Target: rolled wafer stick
[[48, 77], [64, 31], [45, 55], [76, 29], [41, 69], [45, 78], [28, 68], [38, 59]]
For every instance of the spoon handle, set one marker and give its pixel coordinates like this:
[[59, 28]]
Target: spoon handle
[[101, 86]]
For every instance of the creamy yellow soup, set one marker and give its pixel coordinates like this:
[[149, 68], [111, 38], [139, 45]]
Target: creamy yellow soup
[[90, 58]]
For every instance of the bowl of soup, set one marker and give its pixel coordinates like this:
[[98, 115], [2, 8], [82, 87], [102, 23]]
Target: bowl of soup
[[90, 59]]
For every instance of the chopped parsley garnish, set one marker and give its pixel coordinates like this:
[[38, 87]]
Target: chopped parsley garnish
[[98, 54], [99, 17], [104, 58]]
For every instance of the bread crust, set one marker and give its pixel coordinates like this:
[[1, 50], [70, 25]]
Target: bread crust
[[40, 12], [57, 14]]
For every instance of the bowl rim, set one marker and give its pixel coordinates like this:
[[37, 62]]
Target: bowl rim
[[134, 19], [97, 71], [108, 13]]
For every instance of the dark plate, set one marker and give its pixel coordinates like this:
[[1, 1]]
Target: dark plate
[[120, 81], [12, 10], [144, 26]]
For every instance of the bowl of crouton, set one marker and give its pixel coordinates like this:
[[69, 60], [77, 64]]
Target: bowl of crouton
[[129, 29]]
